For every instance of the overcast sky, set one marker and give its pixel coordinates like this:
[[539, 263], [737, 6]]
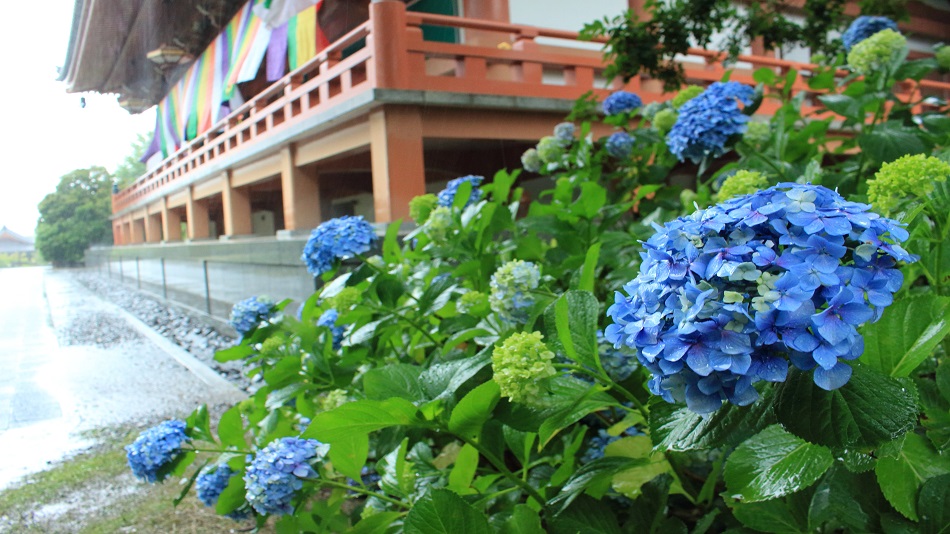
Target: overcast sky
[[45, 133]]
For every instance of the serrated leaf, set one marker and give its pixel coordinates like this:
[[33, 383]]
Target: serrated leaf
[[891, 140], [577, 399], [443, 379], [676, 428], [523, 520], [442, 511], [774, 463], [474, 409], [395, 380], [231, 428], [902, 476], [843, 105], [585, 516], [361, 417], [377, 523], [232, 497], [774, 516], [237, 352], [845, 500], [463, 472], [630, 481], [590, 268], [869, 410], [573, 317], [906, 335], [934, 506], [599, 471]]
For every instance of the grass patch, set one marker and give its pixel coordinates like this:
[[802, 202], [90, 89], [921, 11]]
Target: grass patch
[[94, 492]]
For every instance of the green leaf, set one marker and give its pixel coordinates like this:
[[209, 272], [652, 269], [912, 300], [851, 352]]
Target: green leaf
[[869, 410], [396, 380], [774, 463], [187, 486], [902, 476], [848, 501], [630, 481], [349, 453], [824, 80], [237, 352], [585, 516], [574, 318], [523, 520], [474, 409], [361, 417], [775, 516], [388, 288], [649, 509], [934, 506], [378, 523], [676, 428], [891, 140], [578, 398], [232, 497], [598, 472], [442, 511], [199, 424], [443, 379], [906, 335], [592, 198], [936, 123], [590, 268], [916, 69], [463, 472], [764, 75], [391, 251], [843, 105], [462, 195], [231, 428]]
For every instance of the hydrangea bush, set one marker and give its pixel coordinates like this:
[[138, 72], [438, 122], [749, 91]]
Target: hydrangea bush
[[701, 323]]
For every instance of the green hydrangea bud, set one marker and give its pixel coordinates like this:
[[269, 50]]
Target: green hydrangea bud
[[742, 183], [550, 149], [345, 299], [421, 206], [473, 303], [531, 161], [334, 399], [665, 119], [685, 95], [876, 52], [520, 364], [943, 57], [272, 346], [757, 133], [439, 223], [908, 176]]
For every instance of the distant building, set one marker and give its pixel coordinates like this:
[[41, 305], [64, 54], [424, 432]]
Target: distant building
[[15, 246]]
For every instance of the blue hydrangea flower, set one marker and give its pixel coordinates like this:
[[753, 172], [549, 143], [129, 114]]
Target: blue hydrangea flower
[[211, 482], [619, 145], [597, 444], [250, 312], [732, 294], [864, 27], [706, 122], [564, 132], [328, 319], [337, 239], [618, 364], [511, 287], [621, 102], [155, 448], [277, 472], [447, 195]]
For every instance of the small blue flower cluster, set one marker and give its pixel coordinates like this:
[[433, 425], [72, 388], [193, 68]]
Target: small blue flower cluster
[[564, 132], [731, 294], [511, 287], [277, 471], [337, 239], [597, 444], [155, 448], [706, 122], [211, 482], [447, 195], [328, 319], [864, 27], [621, 102], [248, 314], [619, 145]]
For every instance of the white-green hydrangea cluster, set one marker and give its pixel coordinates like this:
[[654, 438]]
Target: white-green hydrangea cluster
[[907, 176], [530, 160], [473, 302], [685, 95], [439, 223], [943, 57], [345, 299], [421, 206], [550, 149], [876, 52], [334, 399], [665, 119], [520, 364], [756, 133], [743, 182], [511, 287]]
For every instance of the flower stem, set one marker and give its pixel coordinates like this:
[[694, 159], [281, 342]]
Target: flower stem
[[357, 489]]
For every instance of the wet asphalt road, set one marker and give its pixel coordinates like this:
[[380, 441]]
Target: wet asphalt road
[[70, 362]]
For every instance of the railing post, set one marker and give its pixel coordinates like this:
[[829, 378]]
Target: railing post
[[138, 274], [388, 40], [164, 284], [204, 264], [121, 271]]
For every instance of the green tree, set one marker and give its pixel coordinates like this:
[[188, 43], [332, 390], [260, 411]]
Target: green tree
[[75, 216], [131, 167]]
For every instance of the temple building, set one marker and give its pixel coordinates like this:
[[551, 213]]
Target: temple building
[[272, 116], [15, 248]]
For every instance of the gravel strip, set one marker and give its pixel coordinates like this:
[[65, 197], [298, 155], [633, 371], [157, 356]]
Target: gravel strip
[[194, 334]]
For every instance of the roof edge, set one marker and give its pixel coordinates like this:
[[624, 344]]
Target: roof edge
[[77, 17]]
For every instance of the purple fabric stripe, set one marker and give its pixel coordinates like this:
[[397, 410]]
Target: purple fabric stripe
[[153, 147], [277, 53]]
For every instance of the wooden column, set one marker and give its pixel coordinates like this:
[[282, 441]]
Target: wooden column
[[127, 231], [138, 231], [397, 161], [196, 211], [153, 227], [117, 233], [301, 193], [171, 222], [236, 202]]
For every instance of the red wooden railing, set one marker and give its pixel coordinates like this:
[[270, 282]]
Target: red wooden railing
[[397, 57]]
